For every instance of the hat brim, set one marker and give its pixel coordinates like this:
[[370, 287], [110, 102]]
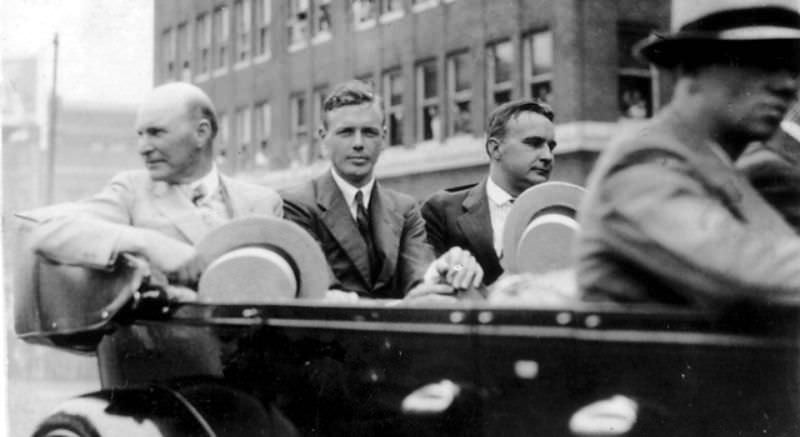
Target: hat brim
[[559, 198], [672, 50], [293, 243]]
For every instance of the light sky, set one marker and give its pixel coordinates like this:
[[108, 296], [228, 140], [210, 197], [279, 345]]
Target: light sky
[[106, 46]]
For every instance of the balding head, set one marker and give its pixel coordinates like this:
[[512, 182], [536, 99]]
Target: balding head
[[177, 124]]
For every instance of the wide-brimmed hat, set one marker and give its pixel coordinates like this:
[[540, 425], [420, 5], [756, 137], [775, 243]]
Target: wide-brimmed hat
[[539, 232], [257, 259], [706, 29]]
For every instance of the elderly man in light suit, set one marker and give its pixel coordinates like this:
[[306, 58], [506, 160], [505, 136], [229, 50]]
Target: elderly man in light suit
[[158, 213]]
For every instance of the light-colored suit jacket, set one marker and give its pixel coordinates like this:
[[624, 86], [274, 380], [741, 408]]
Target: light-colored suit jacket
[[398, 229], [667, 218], [88, 233]]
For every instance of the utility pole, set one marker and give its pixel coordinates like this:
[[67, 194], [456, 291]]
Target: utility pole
[[51, 129]]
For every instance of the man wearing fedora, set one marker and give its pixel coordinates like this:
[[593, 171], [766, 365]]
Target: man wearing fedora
[[667, 217], [520, 139], [158, 213], [373, 237]]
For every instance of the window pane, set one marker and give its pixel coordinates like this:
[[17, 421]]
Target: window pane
[[462, 72], [323, 16], [396, 128], [541, 92], [627, 38], [431, 123], [429, 82], [541, 56], [501, 61], [297, 22], [168, 51], [391, 6], [635, 96], [501, 97], [462, 117], [364, 10]]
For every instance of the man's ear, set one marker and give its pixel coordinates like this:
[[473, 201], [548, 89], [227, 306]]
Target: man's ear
[[203, 132], [493, 148]]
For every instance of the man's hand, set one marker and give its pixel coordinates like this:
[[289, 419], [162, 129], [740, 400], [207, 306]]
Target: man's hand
[[457, 268], [177, 260], [340, 296]]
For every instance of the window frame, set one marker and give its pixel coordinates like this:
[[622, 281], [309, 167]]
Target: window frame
[[391, 109], [295, 22], [243, 18], [424, 102], [530, 79], [222, 33], [492, 86], [454, 97]]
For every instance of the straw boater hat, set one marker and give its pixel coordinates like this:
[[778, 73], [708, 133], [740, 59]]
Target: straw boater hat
[[257, 259], [702, 28], [540, 229]]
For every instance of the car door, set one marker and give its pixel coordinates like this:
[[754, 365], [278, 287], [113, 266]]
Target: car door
[[656, 372]]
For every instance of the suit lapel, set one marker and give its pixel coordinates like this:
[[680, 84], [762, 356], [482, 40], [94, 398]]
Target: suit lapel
[[387, 224], [179, 210], [475, 221], [234, 197], [336, 217]]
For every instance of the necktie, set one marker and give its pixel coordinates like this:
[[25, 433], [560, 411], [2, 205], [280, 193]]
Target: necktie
[[362, 220], [198, 194]]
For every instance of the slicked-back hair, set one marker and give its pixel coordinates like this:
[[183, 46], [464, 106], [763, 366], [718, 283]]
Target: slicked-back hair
[[499, 118], [353, 92]]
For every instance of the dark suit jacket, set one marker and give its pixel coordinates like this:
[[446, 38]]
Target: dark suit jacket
[[460, 217], [399, 232]]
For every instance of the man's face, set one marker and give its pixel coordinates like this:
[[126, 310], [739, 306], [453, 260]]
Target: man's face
[[750, 101], [525, 156], [354, 140], [168, 142]]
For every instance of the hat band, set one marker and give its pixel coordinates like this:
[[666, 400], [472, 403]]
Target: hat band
[[743, 18], [760, 32]]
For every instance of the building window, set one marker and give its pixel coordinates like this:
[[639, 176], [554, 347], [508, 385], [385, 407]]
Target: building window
[[264, 17], [203, 37], [316, 112], [364, 13], [421, 5], [428, 119], [322, 21], [243, 138], [537, 49], [391, 10], [185, 51], [297, 24], [499, 62], [635, 78], [299, 129], [393, 101], [168, 52], [263, 132], [459, 92], [243, 16], [223, 136], [222, 32]]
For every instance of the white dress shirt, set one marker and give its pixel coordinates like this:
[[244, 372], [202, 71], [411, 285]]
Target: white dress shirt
[[500, 203], [349, 192]]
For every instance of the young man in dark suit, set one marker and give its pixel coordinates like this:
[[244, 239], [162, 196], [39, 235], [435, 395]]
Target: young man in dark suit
[[520, 142], [373, 237]]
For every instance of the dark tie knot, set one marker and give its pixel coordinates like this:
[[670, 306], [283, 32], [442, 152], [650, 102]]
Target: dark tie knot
[[198, 194]]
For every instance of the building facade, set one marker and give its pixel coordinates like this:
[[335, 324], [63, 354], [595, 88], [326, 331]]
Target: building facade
[[440, 67]]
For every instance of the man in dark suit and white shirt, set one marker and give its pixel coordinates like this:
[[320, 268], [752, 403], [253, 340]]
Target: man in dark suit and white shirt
[[373, 237], [520, 142]]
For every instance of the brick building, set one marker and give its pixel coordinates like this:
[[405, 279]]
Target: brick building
[[439, 65]]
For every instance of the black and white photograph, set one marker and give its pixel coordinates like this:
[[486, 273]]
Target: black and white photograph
[[323, 218]]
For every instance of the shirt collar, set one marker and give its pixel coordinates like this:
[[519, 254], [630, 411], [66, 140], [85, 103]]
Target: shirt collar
[[496, 194], [349, 190], [210, 182]]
